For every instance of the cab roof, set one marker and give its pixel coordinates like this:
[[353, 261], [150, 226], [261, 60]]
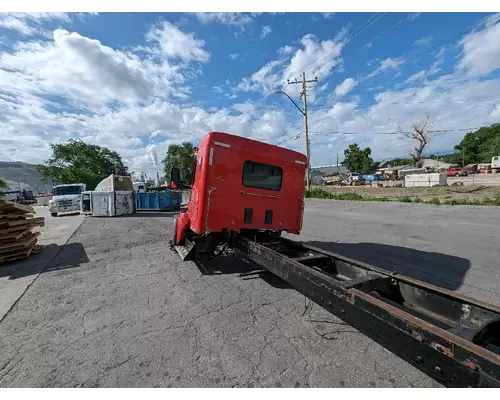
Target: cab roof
[[253, 146]]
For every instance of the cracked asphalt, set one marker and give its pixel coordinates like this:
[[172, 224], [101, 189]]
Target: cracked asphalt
[[129, 313]]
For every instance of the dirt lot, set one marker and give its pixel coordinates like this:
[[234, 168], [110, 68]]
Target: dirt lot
[[471, 189], [446, 193]]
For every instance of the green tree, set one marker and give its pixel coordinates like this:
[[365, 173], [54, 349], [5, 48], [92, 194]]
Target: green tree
[[78, 162], [402, 161], [181, 156], [2, 185], [357, 160], [480, 146]]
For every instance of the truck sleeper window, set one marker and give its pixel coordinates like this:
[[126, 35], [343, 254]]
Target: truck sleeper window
[[262, 176]]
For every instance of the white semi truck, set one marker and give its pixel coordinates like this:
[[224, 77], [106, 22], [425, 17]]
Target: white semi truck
[[66, 198], [495, 164]]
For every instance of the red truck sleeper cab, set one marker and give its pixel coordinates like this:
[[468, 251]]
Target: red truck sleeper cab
[[242, 184]]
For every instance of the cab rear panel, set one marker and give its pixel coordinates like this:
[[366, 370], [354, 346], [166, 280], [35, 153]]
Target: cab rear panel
[[242, 184]]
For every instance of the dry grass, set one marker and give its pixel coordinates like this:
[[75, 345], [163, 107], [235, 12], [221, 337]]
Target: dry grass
[[452, 195]]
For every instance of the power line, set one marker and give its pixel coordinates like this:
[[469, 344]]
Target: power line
[[314, 133], [358, 30], [492, 19], [497, 17], [295, 137], [366, 44], [382, 34], [391, 133], [416, 102], [356, 33]]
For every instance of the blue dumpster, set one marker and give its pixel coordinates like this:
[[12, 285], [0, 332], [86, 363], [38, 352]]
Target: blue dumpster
[[160, 200], [372, 178]]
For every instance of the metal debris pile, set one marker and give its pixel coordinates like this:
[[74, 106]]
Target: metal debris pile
[[17, 240]]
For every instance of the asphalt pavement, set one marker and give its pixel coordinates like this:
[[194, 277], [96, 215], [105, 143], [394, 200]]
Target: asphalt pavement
[[449, 246], [116, 307], [15, 278]]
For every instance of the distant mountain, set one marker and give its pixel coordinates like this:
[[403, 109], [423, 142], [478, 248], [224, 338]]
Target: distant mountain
[[21, 174]]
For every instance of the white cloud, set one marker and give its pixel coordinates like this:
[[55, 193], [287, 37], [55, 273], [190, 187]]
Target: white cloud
[[441, 52], [266, 30], [434, 69], [267, 78], [454, 106], [424, 41], [29, 23], [328, 15], [79, 68], [234, 56], [244, 107], [416, 77], [345, 87], [481, 51], [75, 86], [227, 18], [317, 58], [385, 65], [285, 50], [172, 42], [322, 88], [339, 37], [414, 16]]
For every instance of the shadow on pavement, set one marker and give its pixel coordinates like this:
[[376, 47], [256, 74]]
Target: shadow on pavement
[[158, 213], [438, 269], [154, 214], [236, 264], [52, 257], [65, 215], [71, 255]]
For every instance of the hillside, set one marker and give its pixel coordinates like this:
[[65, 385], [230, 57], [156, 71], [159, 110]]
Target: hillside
[[29, 179]]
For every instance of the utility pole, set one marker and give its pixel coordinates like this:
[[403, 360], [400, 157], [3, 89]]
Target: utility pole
[[303, 95]]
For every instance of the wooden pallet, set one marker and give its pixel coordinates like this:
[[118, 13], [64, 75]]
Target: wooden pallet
[[5, 224], [17, 240], [14, 235], [10, 206], [18, 255], [28, 241]]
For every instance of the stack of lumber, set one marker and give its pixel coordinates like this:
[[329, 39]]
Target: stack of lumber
[[17, 240]]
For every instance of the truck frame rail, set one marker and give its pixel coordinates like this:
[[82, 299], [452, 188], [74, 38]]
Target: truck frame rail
[[452, 338]]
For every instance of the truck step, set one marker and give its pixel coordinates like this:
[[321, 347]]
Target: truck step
[[185, 252]]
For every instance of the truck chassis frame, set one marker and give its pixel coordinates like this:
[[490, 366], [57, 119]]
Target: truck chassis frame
[[452, 338]]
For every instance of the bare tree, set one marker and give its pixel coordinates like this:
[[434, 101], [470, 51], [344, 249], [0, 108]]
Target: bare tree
[[421, 137]]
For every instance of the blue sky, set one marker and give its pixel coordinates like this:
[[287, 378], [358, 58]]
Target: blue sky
[[136, 82]]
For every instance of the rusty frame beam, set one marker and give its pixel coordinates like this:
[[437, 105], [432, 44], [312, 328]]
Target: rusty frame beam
[[449, 358]]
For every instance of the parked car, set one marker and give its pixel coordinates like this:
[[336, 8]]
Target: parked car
[[455, 172], [471, 169]]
